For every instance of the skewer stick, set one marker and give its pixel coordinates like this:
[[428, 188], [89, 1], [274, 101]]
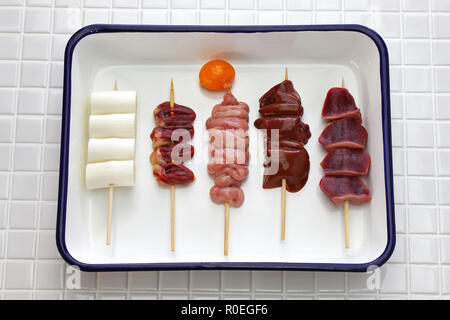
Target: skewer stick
[[227, 207], [347, 242], [110, 200], [172, 217], [110, 203], [227, 219], [172, 187], [283, 192], [283, 209]]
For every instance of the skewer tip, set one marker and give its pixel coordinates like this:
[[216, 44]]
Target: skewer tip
[[172, 95], [115, 85], [286, 74], [343, 82]]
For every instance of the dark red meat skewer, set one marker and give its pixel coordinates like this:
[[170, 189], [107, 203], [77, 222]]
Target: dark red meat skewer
[[172, 123], [281, 110], [345, 138]]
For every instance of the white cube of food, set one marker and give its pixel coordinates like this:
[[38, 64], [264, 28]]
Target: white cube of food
[[110, 149], [112, 126], [104, 102], [103, 174]]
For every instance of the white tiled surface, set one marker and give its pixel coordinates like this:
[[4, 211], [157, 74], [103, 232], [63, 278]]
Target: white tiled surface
[[33, 34]]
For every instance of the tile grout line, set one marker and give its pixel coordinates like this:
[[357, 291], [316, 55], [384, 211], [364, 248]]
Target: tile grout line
[[314, 5], [197, 12], [140, 12], [405, 155], [44, 136], [169, 12], [435, 151], [11, 171], [227, 12], [255, 12]]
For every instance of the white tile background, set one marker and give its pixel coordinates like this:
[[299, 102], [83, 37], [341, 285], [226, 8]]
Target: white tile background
[[33, 34]]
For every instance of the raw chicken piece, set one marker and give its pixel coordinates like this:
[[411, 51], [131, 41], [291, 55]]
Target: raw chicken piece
[[176, 116], [232, 195], [227, 123]]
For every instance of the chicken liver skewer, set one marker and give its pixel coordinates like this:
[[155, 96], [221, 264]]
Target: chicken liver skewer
[[281, 112]]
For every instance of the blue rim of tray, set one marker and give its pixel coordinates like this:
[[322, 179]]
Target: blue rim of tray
[[65, 138]]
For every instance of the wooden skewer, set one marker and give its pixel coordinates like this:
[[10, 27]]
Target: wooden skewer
[[347, 241], [227, 219], [227, 207], [172, 217], [347, 237], [172, 187], [283, 209], [110, 200], [283, 192], [110, 204]]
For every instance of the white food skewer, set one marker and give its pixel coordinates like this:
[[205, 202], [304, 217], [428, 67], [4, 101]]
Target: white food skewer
[[111, 146], [110, 200]]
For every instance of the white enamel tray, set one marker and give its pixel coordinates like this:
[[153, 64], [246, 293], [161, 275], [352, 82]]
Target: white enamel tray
[[144, 59]]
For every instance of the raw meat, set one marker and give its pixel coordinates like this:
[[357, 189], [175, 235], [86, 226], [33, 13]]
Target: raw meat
[[346, 162], [293, 166], [172, 173], [341, 188], [176, 116], [338, 104], [232, 195], [346, 132]]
